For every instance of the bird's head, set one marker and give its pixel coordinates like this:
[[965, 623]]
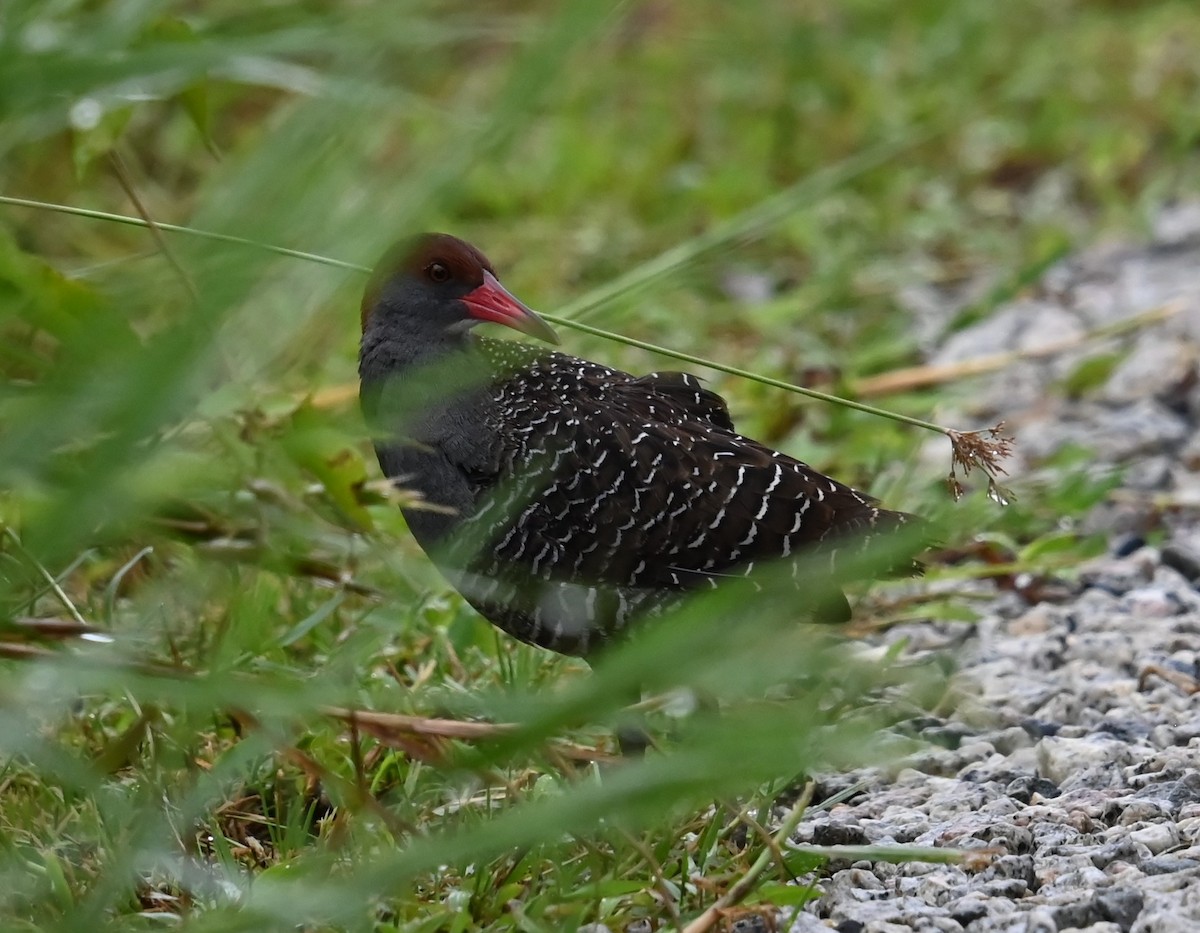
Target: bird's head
[[439, 285]]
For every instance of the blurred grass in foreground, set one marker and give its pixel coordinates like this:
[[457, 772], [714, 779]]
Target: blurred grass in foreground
[[224, 538]]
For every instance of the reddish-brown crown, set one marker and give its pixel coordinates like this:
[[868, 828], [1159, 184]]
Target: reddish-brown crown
[[417, 257]]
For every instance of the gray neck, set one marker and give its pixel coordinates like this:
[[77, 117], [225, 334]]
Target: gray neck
[[429, 405]]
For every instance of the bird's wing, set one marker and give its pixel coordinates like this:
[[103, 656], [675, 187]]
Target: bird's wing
[[643, 483], [672, 396]]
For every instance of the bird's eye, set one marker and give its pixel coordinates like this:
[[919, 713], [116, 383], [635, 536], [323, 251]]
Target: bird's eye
[[438, 272]]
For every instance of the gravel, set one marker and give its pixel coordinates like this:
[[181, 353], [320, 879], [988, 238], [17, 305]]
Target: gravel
[[1072, 763]]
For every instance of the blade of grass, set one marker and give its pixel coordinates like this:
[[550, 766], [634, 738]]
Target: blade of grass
[[745, 884], [559, 319], [746, 225], [180, 228]]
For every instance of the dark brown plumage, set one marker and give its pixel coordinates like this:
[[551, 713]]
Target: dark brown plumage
[[570, 499]]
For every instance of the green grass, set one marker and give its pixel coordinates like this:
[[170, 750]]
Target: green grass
[[233, 543]]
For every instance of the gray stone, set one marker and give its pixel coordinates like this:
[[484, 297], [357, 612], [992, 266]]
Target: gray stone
[[1062, 759], [1164, 921], [1012, 867], [1121, 906], [1157, 837], [1180, 557], [807, 923], [1134, 810], [1037, 920], [1145, 427], [1158, 365], [1009, 888], [1122, 850], [969, 908], [1081, 912], [1166, 864], [1102, 927], [748, 286], [1177, 224]]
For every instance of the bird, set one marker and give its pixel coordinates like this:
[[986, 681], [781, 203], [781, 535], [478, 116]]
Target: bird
[[568, 501]]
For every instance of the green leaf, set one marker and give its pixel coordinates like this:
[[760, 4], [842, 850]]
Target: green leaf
[[1062, 542], [612, 887], [314, 445], [195, 101], [55, 875], [306, 625], [783, 895], [948, 610], [802, 861], [34, 292], [195, 97], [95, 133], [1090, 374]]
